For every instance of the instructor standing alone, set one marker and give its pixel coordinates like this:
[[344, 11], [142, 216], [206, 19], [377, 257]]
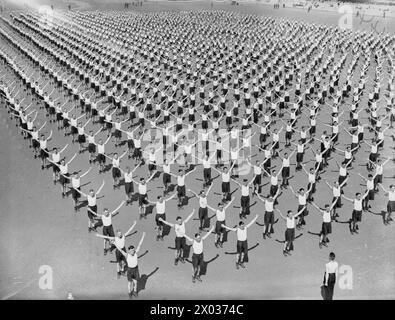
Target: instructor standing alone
[[331, 270]]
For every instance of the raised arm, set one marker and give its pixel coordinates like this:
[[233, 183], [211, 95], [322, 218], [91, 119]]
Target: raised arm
[[252, 221], [131, 228], [86, 172], [101, 187], [140, 243], [301, 210], [117, 208], [208, 233], [190, 216], [73, 157]]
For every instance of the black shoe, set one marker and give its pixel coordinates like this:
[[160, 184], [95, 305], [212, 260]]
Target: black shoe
[[193, 279], [176, 262], [264, 236], [237, 266], [105, 252], [199, 279]]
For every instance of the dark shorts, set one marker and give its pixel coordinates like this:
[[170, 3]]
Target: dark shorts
[[304, 213], [75, 194], [91, 148], [43, 154], [119, 256], [143, 199], [91, 216], [108, 231], [118, 134], [101, 158], [258, 179], [225, 187], [180, 243], [391, 206], [129, 187], [197, 260], [181, 191], [133, 274], [268, 217], [130, 144], [242, 246], [63, 179], [285, 172], [203, 213], [116, 173], [166, 178], [81, 138], [338, 201], [157, 216], [290, 235], [326, 228], [373, 157], [35, 144], [299, 157], [207, 173], [356, 216], [218, 227], [245, 201]]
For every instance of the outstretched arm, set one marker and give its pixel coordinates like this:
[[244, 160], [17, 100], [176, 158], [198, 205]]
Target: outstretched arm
[[301, 210], [140, 243], [104, 237], [252, 222], [208, 233], [84, 174], [131, 228], [230, 202], [165, 222], [190, 216], [75, 154], [101, 187], [117, 208]]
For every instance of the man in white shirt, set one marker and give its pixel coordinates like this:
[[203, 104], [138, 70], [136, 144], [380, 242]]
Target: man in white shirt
[[197, 256], [179, 228], [242, 245], [133, 274], [331, 272]]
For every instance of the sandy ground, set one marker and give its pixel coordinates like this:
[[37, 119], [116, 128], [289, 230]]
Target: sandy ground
[[39, 228]]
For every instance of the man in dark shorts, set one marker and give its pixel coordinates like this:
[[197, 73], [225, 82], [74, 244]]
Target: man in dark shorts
[[105, 220], [241, 245], [160, 206], [133, 273], [197, 256], [119, 242], [179, 228]]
